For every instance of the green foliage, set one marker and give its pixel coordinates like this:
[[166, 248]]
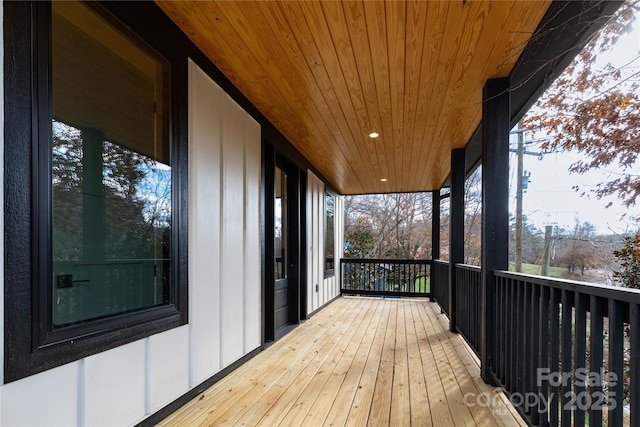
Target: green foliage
[[359, 239], [629, 258], [423, 284], [555, 272]]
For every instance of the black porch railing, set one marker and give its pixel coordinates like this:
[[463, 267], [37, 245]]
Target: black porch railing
[[468, 286], [386, 277], [568, 351], [440, 281]]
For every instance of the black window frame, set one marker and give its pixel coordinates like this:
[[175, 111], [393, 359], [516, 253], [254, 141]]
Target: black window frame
[[31, 344], [329, 272]]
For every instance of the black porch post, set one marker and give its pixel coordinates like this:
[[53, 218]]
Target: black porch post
[[495, 208], [456, 228]]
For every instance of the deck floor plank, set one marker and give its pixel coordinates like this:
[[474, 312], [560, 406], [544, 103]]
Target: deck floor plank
[[440, 411], [257, 402], [361, 407], [455, 399], [381, 403], [500, 410], [226, 392], [359, 361], [328, 396], [400, 400], [286, 400], [419, 398], [344, 399], [303, 404], [480, 413]]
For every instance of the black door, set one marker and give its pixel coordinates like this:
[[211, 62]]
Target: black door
[[282, 292], [283, 257]]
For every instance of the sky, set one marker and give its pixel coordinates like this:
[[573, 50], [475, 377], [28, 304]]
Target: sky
[[550, 198]]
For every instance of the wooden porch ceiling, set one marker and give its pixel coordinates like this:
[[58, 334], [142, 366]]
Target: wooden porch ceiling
[[327, 73]]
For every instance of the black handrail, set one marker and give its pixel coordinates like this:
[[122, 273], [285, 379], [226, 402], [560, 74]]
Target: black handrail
[[386, 277]]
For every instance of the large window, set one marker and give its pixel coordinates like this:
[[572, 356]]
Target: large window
[[111, 170], [107, 178]]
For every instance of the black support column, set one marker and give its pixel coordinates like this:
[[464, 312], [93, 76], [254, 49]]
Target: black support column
[[456, 229], [495, 208]]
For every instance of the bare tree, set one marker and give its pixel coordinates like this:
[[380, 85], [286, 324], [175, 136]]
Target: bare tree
[[596, 111], [473, 218], [579, 250], [396, 225]]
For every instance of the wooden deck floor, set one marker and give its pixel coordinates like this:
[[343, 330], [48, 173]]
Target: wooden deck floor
[[359, 361]]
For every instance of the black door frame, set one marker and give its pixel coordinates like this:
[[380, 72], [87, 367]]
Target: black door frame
[[296, 189]]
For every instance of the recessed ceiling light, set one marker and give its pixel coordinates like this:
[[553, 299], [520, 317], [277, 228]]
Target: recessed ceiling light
[[374, 135], [383, 179]]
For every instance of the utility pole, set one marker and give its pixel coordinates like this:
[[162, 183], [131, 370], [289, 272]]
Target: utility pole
[[520, 153], [521, 184], [548, 231]]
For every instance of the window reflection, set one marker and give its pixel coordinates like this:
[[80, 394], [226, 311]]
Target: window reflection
[[111, 173], [111, 227]]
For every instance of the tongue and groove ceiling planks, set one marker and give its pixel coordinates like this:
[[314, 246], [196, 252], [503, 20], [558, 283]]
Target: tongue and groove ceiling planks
[[327, 73]]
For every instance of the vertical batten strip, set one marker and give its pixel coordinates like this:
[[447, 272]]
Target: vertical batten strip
[[220, 274], [245, 237]]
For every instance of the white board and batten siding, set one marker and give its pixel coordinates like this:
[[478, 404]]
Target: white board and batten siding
[[124, 385], [224, 229], [329, 288]]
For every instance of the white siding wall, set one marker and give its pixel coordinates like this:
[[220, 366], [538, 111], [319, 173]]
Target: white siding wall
[[124, 385], [224, 233], [327, 288]]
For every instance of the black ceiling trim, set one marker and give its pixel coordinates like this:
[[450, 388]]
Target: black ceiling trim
[[562, 33]]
